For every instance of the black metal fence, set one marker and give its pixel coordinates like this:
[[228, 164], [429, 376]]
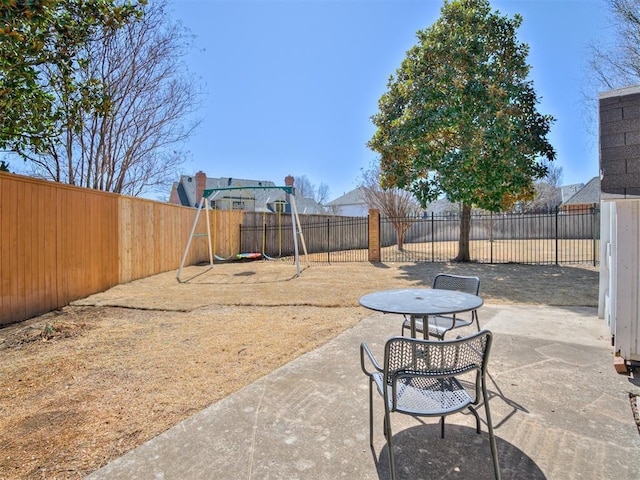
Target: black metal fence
[[327, 238], [559, 237]]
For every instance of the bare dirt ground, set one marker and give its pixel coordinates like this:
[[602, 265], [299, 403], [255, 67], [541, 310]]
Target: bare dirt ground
[[81, 386]]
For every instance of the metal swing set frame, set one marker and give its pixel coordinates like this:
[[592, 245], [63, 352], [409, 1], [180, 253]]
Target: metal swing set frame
[[206, 206]]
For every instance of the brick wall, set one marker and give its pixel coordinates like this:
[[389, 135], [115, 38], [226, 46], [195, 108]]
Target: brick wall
[[620, 141]]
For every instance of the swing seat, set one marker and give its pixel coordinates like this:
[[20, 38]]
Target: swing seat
[[249, 256], [239, 257]]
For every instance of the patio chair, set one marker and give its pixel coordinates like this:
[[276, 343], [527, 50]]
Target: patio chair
[[421, 378], [441, 324]]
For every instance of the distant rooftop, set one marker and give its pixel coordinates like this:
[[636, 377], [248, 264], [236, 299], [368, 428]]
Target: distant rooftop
[[590, 193]]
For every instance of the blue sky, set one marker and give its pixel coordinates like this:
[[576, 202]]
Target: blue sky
[[290, 85]]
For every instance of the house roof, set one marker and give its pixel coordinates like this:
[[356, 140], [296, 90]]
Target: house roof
[[568, 191], [259, 198], [186, 189], [588, 194], [308, 205], [354, 197], [182, 195], [442, 206]]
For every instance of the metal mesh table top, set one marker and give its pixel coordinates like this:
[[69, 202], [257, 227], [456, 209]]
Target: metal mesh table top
[[421, 301]]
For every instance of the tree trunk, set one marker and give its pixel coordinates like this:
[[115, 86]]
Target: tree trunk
[[400, 236], [465, 229]]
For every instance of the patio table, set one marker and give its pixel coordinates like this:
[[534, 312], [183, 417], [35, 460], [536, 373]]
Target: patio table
[[421, 303]]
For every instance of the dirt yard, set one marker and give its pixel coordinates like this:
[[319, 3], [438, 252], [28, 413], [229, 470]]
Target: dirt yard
[[81, 386]]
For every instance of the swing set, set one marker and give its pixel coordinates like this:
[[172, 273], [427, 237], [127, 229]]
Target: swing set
[[205, 204]]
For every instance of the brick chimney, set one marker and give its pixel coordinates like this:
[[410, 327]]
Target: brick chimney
[[174, 198], [201, 184], [288, 181]]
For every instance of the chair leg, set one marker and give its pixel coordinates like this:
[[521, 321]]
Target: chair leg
[[389, 435], [441, 427], [404, 326], [371, 412], [475, 414], [492, 438]]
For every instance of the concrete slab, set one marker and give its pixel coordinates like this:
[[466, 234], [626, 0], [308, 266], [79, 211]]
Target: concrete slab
[[559, 408]]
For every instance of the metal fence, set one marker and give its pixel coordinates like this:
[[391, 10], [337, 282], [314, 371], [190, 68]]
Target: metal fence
[[558, 237], [328, 238]]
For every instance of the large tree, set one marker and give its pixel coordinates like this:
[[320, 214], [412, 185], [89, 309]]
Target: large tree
[[119, 107], [548, 195], [306, 189], [40, 35], [459, 117]]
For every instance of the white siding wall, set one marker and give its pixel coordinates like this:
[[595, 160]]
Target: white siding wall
[[620, 292]]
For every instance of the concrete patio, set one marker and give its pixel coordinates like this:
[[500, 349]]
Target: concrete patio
[[560, 411]]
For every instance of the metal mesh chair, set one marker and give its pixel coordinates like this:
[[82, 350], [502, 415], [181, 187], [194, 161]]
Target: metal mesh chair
[[438, 325], [420, 378]]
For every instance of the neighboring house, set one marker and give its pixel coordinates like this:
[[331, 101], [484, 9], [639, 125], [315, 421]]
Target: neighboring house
[[308, 206], [584, 197], [574, 197], [188, 192], [351, 204], [442, 206], [568, 191]]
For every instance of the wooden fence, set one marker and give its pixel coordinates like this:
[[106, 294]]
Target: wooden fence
[[59, 243]]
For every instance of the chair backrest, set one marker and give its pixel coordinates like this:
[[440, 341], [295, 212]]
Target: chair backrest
[[445, 281], [412, 357]]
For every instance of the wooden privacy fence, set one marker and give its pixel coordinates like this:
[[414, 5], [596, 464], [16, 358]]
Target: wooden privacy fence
[[59, 243]]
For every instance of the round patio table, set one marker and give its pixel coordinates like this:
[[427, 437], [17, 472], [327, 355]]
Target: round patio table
[[421, 303]]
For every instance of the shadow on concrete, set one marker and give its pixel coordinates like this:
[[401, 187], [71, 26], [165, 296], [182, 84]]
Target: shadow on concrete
[[380, 265], [199, 274], [497, 392], [495, 278], [209, 277], [634, 377], [420, 453]]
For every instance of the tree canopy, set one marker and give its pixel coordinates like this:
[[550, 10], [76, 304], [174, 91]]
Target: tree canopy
[[41, 35], [459, 118], [99, 96]]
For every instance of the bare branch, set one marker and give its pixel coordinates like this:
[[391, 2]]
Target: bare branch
[[146, 101], [396, 204]]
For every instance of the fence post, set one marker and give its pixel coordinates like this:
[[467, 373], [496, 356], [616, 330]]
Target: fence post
[[328, 242], [557, 214], [433, 252], [374, 235], [490, 237], [593, 232]]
